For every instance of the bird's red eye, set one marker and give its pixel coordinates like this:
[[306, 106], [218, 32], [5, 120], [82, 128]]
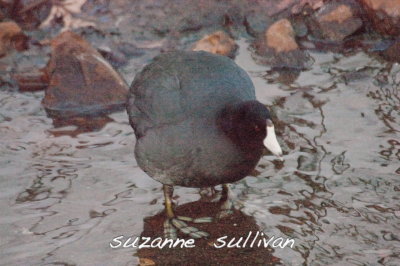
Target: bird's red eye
[[256, 128]]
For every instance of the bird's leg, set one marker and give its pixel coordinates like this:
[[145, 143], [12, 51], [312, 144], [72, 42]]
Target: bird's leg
[[174, 223], [226, 202], [168, 192]]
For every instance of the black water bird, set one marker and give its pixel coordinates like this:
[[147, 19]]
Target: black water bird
[[197, 124]]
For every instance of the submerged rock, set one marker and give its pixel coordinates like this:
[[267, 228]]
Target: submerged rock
[[336, 20], [279, 49], [81, 81], [73, 126], [33, 80], [384, 14], [11, 37], [217, 43]]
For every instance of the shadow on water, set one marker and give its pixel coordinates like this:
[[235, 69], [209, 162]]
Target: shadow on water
[[67, 191], [237, 226], [78, 125]]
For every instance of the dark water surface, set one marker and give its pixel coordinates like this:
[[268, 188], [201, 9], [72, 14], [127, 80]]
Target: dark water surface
[[65, 196]]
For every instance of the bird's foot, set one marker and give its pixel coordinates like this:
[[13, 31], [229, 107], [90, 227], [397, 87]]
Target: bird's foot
[[179, 223], [209, 194]]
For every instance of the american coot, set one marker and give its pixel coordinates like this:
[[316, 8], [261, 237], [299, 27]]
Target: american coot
[[197, 124]]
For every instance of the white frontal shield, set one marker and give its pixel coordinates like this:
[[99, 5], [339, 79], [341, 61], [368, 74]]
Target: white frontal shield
[[270, 142]]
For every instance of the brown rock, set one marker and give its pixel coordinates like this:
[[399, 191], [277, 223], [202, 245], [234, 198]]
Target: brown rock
[[11, 36], [280, 36], [80, 124], [278, 47], [385, 15], [336, 20], [33, 80], [30, 13], [6, 7], [392, 53], [340, 14], [217, 43], [259, 15], [81, 81]]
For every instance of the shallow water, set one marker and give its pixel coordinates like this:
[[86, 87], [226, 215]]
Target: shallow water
[[65, 194]]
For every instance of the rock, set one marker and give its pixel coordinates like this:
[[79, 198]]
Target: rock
[[130, 50], [30, 13], [11, 36], [299, 25], [217, 43], [2, 15], [73, 126], [34, 80], [300, 4], [279, 49], [113, 56], [261, 14], [280, 37], [336, 20], [6, 7], [67, 13], [81, 81], [384, 14], [164, 17], [257, 22], [392, 53]]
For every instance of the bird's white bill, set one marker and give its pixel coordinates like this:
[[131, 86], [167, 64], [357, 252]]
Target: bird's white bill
[[270, 142]]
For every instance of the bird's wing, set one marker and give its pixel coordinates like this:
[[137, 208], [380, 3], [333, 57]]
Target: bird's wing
[[163, 94], [155, 99]]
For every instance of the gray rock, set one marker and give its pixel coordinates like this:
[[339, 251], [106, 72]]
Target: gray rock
[[336, 20]]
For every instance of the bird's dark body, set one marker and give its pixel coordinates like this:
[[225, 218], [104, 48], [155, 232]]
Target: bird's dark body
[[174, 105]]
